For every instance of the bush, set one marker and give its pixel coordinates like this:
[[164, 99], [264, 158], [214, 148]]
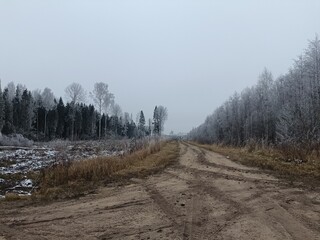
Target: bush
[[15, 140]]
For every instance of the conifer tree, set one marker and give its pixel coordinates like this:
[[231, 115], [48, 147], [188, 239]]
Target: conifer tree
[[8, 113], [1, 110], [61, 119], [26, 111], [156, 128]]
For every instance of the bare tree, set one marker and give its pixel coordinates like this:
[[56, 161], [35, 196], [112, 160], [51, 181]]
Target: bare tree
[[75, 94], [102, 98], [160, 115], [11, 91], [48, 103], [108, 103], [284, 112], [116, 110], [116, 115]]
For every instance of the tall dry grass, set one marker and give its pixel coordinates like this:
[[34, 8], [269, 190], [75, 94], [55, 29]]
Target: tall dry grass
[[72, 179], [272, 159]]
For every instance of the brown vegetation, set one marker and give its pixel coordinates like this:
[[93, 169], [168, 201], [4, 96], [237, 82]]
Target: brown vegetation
[[9, 197], [272, 159], [79, 177]]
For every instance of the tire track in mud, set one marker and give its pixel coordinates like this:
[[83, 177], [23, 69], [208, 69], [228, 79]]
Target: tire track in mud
[[203, 156], [234, 210], [197, 218], [167, 208], [279, 218], [183, 221], [204, 164], [226, 176], [285, 204], [22, 223], [295, 226]]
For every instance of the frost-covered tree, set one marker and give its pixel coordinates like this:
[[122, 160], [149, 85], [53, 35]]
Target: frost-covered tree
[[141, 124], [48, 103], [160, 115], [11, 91], [16, 102], [116, 110], [37, 104], [75, 94], [149, 131], [108, 105], [116, 113], [101, 98], [26, 111], [8, 113], [156, 125], [2, 106], [126, 123], [163, 116], [283, 112], [142, 121], [40, 117]]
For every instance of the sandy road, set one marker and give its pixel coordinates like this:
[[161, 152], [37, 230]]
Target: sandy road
[[203, 196]]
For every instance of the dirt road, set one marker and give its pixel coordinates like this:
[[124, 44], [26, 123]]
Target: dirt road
[[203, 196]]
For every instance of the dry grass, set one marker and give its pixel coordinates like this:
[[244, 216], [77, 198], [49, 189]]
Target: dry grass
[[272, 159], [80, 177], [9, 197]]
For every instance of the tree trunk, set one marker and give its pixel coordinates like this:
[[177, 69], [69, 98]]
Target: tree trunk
[[45, 123]]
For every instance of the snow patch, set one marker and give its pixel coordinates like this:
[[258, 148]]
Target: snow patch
[[27, 183], [23, 161], [16, 159]]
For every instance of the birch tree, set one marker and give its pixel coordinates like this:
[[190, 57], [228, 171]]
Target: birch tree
[[116, 112], [160, 115], [48, 104], [284, 111], [75, 94], [101, 98]]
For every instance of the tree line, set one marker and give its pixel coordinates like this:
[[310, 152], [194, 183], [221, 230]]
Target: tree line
[[39, 115], [284, 112]]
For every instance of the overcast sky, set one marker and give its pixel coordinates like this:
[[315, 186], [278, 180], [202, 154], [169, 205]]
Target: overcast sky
[[188, 56]]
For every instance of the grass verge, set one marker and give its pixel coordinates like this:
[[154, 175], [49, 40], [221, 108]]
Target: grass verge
[[81, 177], [273, 160]]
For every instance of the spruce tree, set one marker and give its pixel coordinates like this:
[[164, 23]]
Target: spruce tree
[[61, 119], [142, 121], [156, 126], [17, 109], [8, 113], [26, 117], [141, 125]]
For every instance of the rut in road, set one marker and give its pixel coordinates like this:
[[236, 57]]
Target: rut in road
[[203, 196]]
